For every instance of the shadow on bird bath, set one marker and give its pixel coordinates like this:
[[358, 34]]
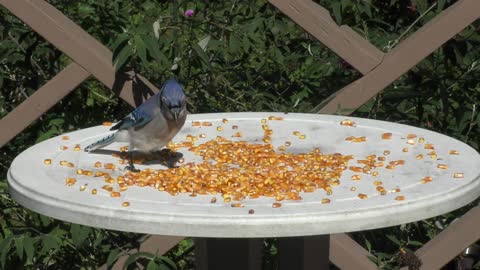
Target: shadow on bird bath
[[165, 157]]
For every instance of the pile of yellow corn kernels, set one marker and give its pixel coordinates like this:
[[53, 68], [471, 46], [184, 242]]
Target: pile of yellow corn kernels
[[238, 169]]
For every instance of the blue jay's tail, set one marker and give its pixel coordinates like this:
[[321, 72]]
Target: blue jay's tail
[[101, 143]]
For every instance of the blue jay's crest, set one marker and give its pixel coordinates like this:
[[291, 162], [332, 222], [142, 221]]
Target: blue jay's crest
[[172, 94]]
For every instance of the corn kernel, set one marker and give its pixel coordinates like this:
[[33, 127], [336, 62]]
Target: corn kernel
[[453, 152], [83, 187], [390, 167], [375, 174], [296, 133], [411, 141], [405, 149], [426, 179], [355, 177], [76, 148], [421, 140], [234, 127], [115, 194], [181, 160], [420, 156], [107, 124], [97, 164], [195, 124], [429, 146], [213, 200], [362, 196], [324, 201], [125, 204], [386, 152], [70, 181], [71, 165], [353, 188], [65, 138], [237, 135], [64, 147], [281, 148], [207, 124], [411, 136], [377, 183], [79, 171], [219, 128], [276, 205], [301, 137], [387, 136], [202, 135], [442, 166], [458, 175], [47, 161], [400, 198], [396, 190], [94, 191], [347, 122], [267, 139], [237, 205], [287, 144], [225, 121], [263, 121]]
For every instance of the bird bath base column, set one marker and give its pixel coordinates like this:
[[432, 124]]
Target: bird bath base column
[[303, 253]]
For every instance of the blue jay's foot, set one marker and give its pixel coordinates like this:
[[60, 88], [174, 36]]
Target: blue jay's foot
[[132, 168]]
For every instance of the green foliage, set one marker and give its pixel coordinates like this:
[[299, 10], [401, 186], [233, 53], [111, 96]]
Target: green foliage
[[230, 56]]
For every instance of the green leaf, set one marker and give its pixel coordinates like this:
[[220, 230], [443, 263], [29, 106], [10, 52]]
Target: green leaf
[[394, 239], [112, 257], [19, 247], [28, 245], [415, 243], [134, 257], [141, 49], [152, 265], [203, 56], [49, 243], [120, 40], [204, 42], [369, 245], [171, 264], [337, 12], [79, 234], [5, 246], [153, 49], [122, 57]]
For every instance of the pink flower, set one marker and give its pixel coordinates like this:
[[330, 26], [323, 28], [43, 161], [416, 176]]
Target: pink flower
[[189, 13]]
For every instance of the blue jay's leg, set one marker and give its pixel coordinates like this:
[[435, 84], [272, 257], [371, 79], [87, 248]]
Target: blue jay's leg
[[131, 166]]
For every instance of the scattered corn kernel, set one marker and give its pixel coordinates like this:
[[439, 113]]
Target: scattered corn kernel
[[237, 205], [83, 187], [63, 162], [347, 122], [396, 190], [400, 198], [281, 148], [213, 200], [287, 144], [355, 177], [426, 179], [65, 138], [94, 191], [411, 141], [419, 156], [276, 205], [115, 194], [421, 140], [219, 128], [411, 136], [263, 121], [181, 160], [387, 136], [442, 166], [377, 183], [70, 181], [405, 149], [353, 188], [296, 133], [458, 175], [47, 161], [76, 148], [79, 171], [71, 165], [234, 127], [429, 146], [125, 204], [453, 152], [109, 166], [386, 152], [195, 124], [97, 164], [324, 201], [301, 137], [202, 135], [64, 147], [107, 124], [390, 167], [237, 135], [362, 196], [207, 124], [225, 121], [375, 174]]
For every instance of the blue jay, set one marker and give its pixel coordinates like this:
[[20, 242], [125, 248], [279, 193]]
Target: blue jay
[[151, 125]]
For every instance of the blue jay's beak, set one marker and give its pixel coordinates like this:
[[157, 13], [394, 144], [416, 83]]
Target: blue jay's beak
[[175, 113]]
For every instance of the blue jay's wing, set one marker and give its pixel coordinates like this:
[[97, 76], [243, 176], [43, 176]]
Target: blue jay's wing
[[137, 119]]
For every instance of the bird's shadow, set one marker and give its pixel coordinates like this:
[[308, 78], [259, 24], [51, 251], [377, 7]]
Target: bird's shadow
[[165, 157]]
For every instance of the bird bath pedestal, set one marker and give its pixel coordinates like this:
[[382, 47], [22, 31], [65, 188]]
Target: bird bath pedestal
[[430, 174]]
